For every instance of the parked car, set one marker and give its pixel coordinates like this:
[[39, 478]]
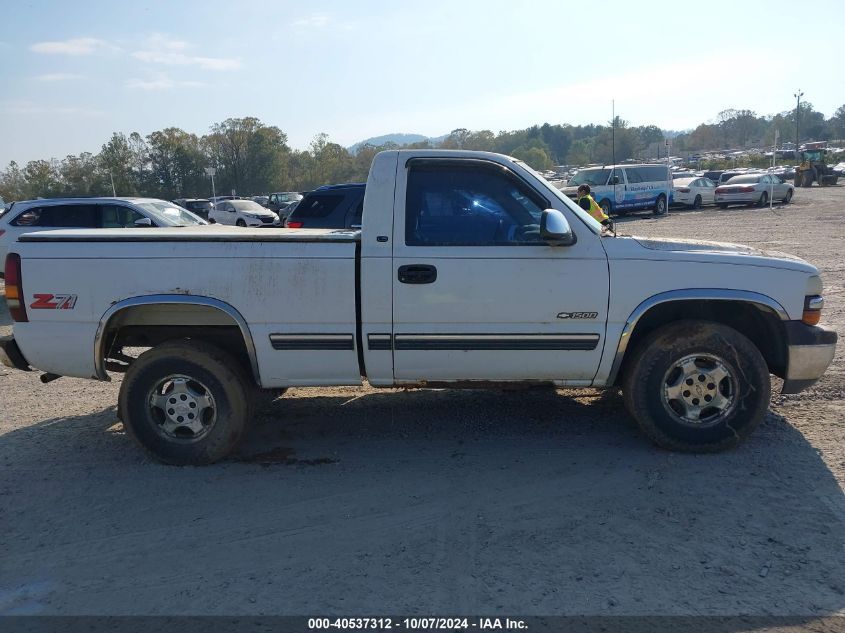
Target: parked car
[[281, 201], [262, 200], [694, 192], [30, 216], [329, 207], [243, 213], [198, 206], [713, 174], [725, 176], [623, 188], [214, 200], [478, 273], [753, 189]]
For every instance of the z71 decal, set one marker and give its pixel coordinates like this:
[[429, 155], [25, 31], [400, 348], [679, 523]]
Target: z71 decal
[[577, 315], [53, 302]]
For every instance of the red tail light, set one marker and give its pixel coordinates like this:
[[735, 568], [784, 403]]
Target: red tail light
[[293, 225], [746, 189], [719, 190], [682, 189], [14, 288]]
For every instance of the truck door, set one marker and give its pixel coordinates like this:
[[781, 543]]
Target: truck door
[[476, 294]]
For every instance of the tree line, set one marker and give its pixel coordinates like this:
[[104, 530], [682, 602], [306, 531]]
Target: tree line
[[253, 158]]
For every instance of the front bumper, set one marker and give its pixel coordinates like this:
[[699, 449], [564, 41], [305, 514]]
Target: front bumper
[[10, 354], [810, 351]]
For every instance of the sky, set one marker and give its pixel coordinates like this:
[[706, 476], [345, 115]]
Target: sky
[[72, 73]]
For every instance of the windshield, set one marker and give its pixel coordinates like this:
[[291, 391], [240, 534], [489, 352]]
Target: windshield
[[202, 205], [248, 206], [592, 177], [585, 217], [168, 214]]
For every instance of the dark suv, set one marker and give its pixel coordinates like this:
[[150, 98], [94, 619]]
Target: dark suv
[[329, 207], [199, 206], [281, 201]]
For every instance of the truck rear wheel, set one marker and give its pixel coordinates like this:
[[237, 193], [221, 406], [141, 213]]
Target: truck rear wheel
[[660, 205], [697, 387], [186, 402]]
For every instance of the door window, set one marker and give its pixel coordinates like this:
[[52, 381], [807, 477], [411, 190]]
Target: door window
[[633, 176], [452, 205], [118, 217]]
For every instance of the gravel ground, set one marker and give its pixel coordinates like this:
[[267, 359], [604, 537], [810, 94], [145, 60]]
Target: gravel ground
[[362, 501]]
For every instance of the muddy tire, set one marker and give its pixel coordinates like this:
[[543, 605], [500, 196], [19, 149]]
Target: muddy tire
[[186, 402], [697, 387], [660, 207]]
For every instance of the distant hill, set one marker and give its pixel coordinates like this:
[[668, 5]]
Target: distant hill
[[398, 138]]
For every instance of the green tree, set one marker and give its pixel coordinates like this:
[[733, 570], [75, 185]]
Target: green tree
[[116, 160], [42, 179], [82, 176], [176, 163], [580, 152], [536, 157], [251, 157], [13, 184]]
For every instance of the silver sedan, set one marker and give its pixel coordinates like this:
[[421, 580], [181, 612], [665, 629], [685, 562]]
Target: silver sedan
[[753, 189]]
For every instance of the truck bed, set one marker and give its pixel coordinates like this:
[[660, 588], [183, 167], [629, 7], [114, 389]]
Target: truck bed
[[293, 288]]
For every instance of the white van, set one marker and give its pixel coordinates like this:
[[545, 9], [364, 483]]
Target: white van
[[622, 188]]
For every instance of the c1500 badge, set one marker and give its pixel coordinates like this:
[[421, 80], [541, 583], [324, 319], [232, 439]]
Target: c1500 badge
[[577, 315], [53, 302]]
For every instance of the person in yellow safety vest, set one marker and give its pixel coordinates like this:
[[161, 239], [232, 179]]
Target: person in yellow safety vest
[[586, 202]]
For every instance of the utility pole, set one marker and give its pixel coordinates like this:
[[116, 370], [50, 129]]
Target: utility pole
[[210, 171], [798, 96]]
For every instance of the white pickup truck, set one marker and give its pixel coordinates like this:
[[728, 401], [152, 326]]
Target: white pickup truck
[[470, 271]]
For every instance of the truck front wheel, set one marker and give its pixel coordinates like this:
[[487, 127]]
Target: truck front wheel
[[697, 387], [186, 402]]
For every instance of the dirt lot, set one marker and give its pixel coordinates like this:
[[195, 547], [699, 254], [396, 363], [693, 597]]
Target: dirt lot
[[357, 501]]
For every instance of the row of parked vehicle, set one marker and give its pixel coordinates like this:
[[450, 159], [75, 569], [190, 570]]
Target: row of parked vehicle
[[747, 189], [620, 189], [330, 206], [267, 211]]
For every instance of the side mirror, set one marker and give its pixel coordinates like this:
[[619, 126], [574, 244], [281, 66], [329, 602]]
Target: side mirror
[[555, 229], [143, 222], [614, 180]]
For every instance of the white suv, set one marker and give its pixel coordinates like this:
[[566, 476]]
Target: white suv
[[30, 216], [243, 213]]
